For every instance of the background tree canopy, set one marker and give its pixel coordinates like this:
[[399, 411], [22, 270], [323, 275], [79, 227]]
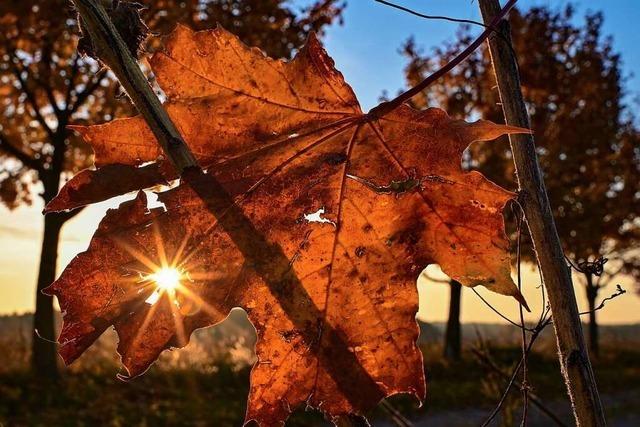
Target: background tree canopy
[[588, 143]]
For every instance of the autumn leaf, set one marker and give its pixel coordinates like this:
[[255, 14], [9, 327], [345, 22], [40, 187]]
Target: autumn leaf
[[315, 218]]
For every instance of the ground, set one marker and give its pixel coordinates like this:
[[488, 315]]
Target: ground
[[460, 394]]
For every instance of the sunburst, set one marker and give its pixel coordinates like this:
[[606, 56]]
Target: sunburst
[[170, 276]]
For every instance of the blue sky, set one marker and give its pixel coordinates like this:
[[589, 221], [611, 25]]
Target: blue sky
[[366, 47]]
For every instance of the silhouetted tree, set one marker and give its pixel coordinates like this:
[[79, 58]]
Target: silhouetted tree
[[45, 85], [453, 332], [588, 146]]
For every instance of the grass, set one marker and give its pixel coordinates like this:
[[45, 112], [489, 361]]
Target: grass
[[191, 397], [206, 384]]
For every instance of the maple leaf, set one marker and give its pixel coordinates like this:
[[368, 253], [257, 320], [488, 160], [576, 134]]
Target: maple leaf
[[318, 222]]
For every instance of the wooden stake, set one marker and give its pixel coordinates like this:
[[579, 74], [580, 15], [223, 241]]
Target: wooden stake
[[574, 359]]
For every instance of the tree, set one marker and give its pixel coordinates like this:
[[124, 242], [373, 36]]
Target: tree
[[452, 344], [453, 332], [588, 144], [46, 86]]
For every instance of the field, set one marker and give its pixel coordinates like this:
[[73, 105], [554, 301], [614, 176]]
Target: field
[[206, 384]]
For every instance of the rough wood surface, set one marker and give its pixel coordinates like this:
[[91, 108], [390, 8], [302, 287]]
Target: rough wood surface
[[574, 359]]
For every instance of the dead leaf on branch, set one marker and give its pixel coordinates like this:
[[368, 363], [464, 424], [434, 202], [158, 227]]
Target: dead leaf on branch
[[333, 300]]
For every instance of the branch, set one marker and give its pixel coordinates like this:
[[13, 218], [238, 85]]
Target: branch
[[112, 51], [82, 96], [387, 107], [24, 158], [31, 98], [525, 366], [396, 417], [495, 310], [46, 87], [619, 291], [486, 361], [437, 17], [512, 379], [75, 66]]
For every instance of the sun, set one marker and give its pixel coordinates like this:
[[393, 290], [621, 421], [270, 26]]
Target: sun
[[167, 279]]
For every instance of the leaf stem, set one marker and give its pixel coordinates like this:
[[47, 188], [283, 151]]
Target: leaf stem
[[386, 107]]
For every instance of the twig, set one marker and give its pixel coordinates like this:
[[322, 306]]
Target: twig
[[537, 330], [543, 304], [486, 360], [495, 310], [36, 332], [437, 17], [396, 417], [595, 267], [619, 291], [386, 107], [525, 384], [571, 264]]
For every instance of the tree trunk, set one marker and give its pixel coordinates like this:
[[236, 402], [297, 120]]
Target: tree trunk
[[592, 294], [453, 334], [44, 356]]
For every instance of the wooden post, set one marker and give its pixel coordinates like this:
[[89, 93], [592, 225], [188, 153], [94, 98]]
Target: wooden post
[[574, 359]]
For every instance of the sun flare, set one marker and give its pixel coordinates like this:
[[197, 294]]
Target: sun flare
[[167, 278]]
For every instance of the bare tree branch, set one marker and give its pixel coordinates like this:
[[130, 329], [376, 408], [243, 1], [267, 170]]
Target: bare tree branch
[[14, 151], [82, 96], [619, 291], [17, 71], [535, 334], [389, 106], [495, 310], [436, 17], [75, 66], [46, 87], [396, 416], [486, 360], [572, 353]]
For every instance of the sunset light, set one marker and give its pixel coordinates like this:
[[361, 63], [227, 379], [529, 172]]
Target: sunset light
[[320, 205], [167, 279]]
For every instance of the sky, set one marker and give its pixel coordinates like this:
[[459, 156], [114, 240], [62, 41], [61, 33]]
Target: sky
[[365, 49]]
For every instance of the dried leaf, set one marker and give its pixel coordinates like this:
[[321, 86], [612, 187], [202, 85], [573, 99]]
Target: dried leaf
[[125, 16], [319, 229]]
